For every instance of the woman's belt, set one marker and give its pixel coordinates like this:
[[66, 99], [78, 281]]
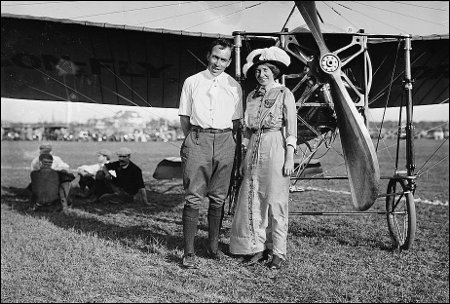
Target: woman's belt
[[209, 130], [265, 130]]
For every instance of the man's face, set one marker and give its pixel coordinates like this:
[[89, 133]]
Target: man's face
[[124, 160], [101, 158], [46, 163], [219, 59]]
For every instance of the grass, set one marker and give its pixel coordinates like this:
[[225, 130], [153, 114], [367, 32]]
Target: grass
[[132, 253]]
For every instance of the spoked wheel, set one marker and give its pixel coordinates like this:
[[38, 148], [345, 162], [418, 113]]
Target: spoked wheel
[[401, 213]]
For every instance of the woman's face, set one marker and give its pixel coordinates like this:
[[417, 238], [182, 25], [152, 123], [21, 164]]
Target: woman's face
[[264, 75]]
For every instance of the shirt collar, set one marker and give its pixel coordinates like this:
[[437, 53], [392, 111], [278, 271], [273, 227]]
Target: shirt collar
[[210, 76]]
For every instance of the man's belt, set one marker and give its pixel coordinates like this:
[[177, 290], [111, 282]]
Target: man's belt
[[209, 130], [265, 130]]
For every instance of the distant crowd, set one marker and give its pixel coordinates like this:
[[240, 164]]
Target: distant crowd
[[62, 134]]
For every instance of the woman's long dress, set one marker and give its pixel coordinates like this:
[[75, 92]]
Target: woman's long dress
[[261, 215]]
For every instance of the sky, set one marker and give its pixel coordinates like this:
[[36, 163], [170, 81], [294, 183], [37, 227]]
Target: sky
[[388, 17]]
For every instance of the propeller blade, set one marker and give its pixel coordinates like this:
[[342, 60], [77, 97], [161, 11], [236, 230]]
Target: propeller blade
[[309, 13], [360, 156]]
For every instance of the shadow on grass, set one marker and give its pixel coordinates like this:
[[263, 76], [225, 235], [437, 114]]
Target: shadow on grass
[[343, 231], [158, 226], [152, 228], [137, 225]]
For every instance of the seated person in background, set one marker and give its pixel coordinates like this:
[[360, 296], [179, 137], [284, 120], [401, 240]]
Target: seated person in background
[[121, 180], [58, 165], [87, 173], [47, 186]]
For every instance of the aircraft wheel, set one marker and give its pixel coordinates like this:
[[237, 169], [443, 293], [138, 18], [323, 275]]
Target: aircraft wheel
[[401, 214]]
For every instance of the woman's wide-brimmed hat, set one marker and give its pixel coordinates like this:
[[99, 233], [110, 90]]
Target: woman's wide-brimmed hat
[[273, 55]]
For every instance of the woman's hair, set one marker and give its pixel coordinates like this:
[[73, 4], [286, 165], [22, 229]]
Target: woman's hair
[[274, 68]]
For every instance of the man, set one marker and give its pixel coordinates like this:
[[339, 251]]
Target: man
[[57, 164], [210, 110], [87, 174], [46, 185], [122, 181]]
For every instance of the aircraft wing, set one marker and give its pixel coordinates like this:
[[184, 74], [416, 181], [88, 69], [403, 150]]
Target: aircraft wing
[[429, 69], [67, 60]]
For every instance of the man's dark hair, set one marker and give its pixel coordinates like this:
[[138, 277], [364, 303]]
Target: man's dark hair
[[45, 156], [224, 43]]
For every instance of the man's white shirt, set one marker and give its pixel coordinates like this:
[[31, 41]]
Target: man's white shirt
[[211, 102]]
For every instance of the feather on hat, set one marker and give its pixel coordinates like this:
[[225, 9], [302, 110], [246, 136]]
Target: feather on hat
[[272, 55]]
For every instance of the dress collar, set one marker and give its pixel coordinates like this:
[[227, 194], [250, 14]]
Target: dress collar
[[260, 91], [273, 85]]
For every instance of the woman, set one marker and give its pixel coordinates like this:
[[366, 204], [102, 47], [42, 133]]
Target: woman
[[260, 223]]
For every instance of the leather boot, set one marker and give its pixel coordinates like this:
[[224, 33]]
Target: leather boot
[[276, 262], [214, 222], [190, 220]]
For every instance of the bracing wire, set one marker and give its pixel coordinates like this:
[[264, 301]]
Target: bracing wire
[[37, 3], [132, 10], [65, 85], [63, 99], [87, 97], [339, 14], [445, 157], [379, 128], [389, 93], [435, 128], [226, 16], [118, 95], [396, 12], [381, 91], [370, 17], [437, 149], [189, 13], [412, 3]]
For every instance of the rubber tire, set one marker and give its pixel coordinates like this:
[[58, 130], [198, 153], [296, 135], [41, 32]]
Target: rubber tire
[[403, 236]]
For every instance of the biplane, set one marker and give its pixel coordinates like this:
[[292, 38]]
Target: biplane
[[335, 76]]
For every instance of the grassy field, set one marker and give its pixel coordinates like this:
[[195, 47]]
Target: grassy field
[[132, 253]]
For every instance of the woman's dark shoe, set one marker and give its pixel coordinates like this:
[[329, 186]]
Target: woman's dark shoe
[[240, 258], [266, 253], [276, 262], [257, 257], [252, 259]]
